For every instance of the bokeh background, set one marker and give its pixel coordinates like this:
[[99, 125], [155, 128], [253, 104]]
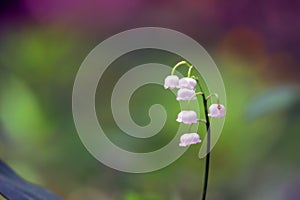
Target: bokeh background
[[255, 45]]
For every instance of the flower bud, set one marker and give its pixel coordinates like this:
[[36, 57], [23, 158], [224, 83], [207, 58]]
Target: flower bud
[[217, 111], [186, 94], [171, 82], [187, 117], [188, 83], [189, 138]]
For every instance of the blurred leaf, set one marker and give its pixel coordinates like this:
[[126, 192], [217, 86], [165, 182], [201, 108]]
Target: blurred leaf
[[27, 170], [20, 113], [14, 187], [274, 100]]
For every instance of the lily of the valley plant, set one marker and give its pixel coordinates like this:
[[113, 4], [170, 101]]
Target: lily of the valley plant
[[187, 92]]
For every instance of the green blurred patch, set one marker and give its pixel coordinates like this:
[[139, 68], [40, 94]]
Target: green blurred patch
[[20, 113], [135, 196], [273, 100], [27, 171]]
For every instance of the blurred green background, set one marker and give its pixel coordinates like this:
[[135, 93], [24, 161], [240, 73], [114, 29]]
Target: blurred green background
[[255, 45]]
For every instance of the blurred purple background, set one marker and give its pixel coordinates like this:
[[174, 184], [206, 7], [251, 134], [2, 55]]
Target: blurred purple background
[[255, 45]]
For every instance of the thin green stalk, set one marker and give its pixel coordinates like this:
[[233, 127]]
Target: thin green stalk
[[182, 63], [214, 95]]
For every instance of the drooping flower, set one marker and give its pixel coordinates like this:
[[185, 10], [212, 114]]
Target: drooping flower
[[189, 138], [217, 111], [171, 82], [186, 94], [187, 117], [189, 83]]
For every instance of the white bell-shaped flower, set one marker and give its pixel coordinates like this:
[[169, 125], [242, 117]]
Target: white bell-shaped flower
[[186, 94], [189, 138], [187, 117], [171, 82], [217, 111], [189, 83]]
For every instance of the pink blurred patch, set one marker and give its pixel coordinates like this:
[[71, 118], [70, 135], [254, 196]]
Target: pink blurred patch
[[91, 14]]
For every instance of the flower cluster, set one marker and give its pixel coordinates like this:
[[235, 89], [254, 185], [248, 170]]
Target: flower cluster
[[187, 92]]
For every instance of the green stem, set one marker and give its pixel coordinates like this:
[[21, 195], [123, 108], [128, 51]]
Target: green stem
[[215, 95], [207, 159], [194, 95], [190, 70], [190, 127], [182, 63]]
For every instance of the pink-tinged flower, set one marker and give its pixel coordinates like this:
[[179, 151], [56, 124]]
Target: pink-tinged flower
[[189, 83], [187, 117], [189, 138], [186, 94], [217, 111], [171, 82]]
